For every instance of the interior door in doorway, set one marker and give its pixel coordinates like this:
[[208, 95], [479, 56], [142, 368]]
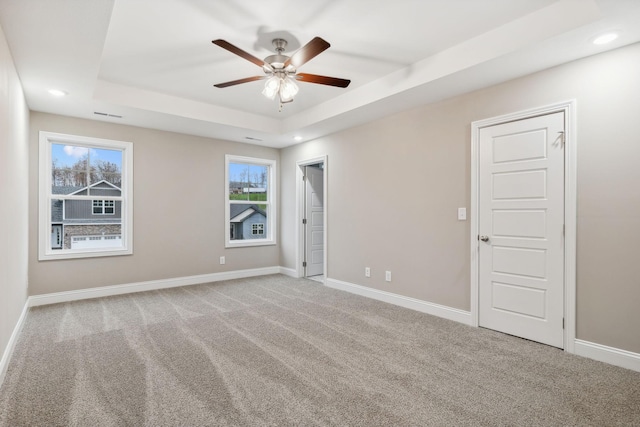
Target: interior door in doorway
[[314, 215], [521, 226]]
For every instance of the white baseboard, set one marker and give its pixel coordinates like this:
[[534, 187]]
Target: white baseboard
[[289, 272], [106, 291], [403, 301], [610, 355], [11, 345]]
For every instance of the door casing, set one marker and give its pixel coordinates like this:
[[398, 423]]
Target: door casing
[[570, 211], [300, 209]]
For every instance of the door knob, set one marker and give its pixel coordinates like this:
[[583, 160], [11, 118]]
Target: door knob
[[484, 238]]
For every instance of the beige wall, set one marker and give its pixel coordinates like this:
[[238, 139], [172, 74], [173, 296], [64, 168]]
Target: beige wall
[[178, 210], [14, 178], [395, 185]]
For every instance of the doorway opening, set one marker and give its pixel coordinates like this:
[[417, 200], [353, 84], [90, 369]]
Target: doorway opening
[[312, 219]]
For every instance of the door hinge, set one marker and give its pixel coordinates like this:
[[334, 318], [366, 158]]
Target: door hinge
[[563, 229], [304, 263], [563, 323], [304, 220], [304, 177]]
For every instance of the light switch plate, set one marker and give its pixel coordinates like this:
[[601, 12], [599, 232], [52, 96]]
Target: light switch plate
[[462, 214]]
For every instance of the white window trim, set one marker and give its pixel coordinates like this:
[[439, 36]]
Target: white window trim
[[44, 196], [270, 235]]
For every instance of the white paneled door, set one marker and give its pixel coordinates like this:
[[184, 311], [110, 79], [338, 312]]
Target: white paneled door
[[314, 214], [521, 226]]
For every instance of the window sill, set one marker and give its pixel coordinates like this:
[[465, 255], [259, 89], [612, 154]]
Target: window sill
[[93, 253], [248, 243]]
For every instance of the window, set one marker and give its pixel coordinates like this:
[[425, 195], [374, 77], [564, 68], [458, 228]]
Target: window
[[103, 207], [250, 201], [257, 229], [85, 197]]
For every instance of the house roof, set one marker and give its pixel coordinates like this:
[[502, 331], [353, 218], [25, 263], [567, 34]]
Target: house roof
[[74, 189], [239, 213], [99, 184], [65, 189]]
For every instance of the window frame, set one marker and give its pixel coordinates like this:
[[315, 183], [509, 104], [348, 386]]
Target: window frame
[[45, 196], [270, 225]]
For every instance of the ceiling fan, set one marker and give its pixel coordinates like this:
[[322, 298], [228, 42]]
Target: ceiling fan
[[281, 71]]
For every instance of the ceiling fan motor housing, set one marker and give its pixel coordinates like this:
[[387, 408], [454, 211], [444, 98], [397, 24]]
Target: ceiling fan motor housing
[[277, 61]]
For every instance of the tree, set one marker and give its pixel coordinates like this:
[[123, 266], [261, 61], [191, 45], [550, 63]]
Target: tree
[[263, 177], [107, 171]]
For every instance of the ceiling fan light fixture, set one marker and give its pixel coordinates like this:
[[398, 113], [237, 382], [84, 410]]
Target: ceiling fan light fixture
[[288, 89], [271, 87]]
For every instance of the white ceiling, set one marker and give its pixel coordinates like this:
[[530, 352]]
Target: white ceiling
[[152, 61]]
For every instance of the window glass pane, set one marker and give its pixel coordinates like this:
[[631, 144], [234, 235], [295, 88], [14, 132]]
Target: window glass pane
[[106, 167], [97, 207], [248, 221], [78, 170], [69, 229], [68, 168], [238, 181], [258, 182], [248, 182]]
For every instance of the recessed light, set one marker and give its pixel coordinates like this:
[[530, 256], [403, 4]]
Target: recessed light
[[57, 92], [297, 138], [605, 38]]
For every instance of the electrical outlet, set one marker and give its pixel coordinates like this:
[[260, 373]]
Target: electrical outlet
[[222, 260], [387, 276], [367, 272]]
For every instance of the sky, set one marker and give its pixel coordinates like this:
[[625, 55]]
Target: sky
[[67, 155], [235, 170]]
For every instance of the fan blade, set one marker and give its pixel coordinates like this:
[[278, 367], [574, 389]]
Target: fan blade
[[322, 80], [234, 49], [307, 52], [240, 81]]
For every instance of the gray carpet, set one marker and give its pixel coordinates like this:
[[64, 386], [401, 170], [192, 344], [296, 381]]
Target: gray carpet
[[276, 351]]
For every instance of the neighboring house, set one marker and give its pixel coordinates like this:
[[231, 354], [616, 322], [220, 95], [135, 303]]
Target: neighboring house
[[247, 222], [79, 224]]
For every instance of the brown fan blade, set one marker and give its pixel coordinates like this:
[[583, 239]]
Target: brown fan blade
[[322, 80], [240, 81], [234, 49], [307, 52]]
